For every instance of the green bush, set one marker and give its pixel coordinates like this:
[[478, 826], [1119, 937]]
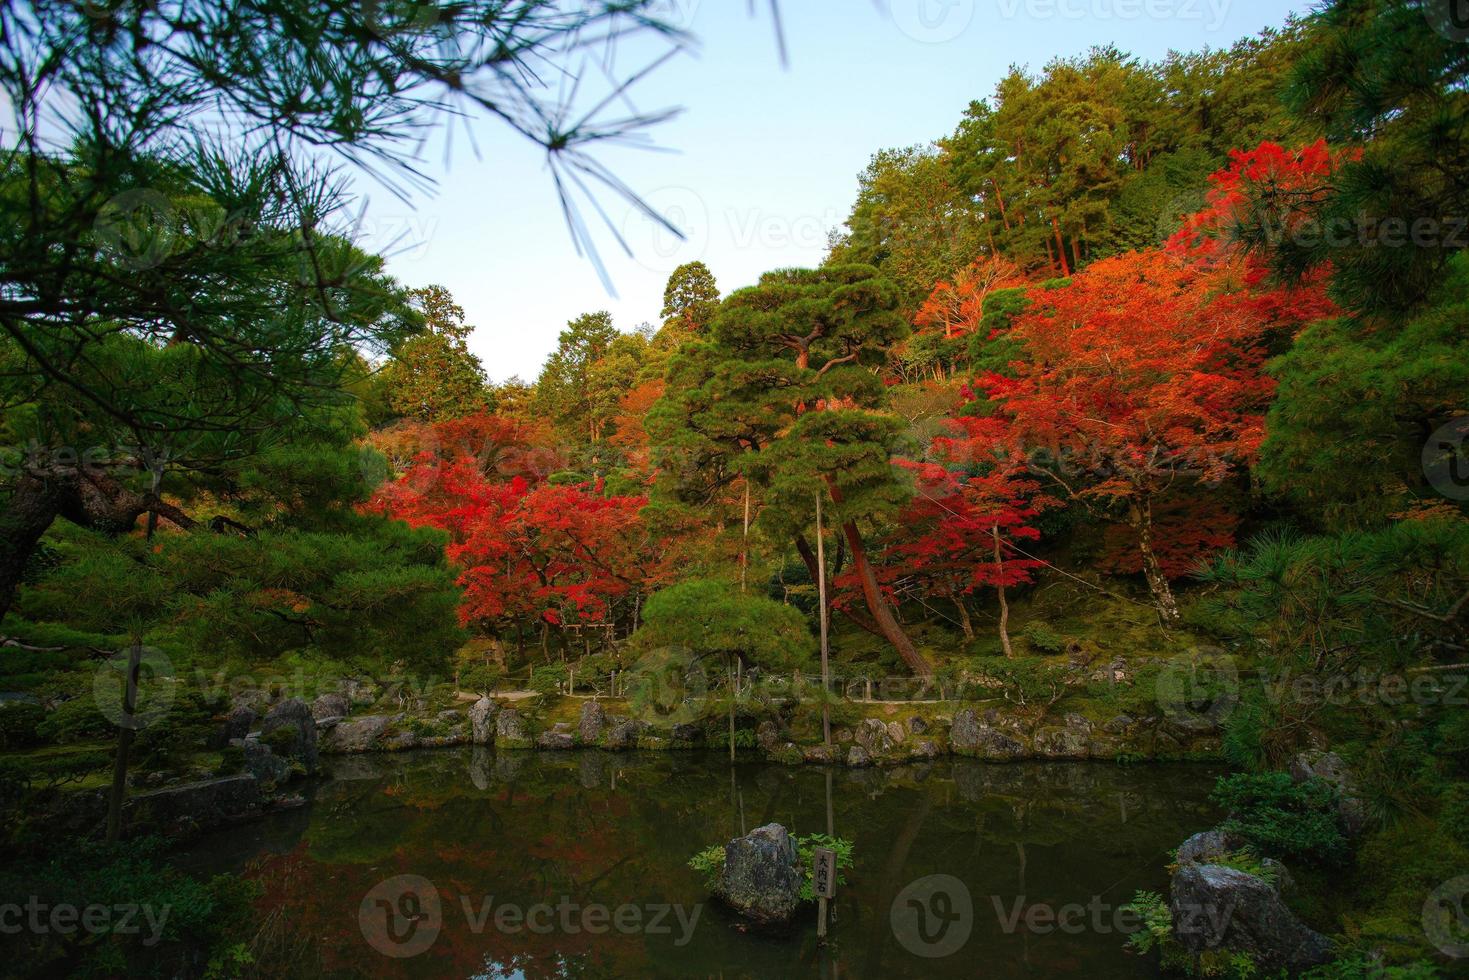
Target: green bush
[[1042, 638], [19, 722], [207, 925], [479, 678], [77, 720], [548, 678], [1026, 681], [1281, 818]]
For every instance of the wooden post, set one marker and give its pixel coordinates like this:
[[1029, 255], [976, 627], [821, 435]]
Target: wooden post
[[823, 883]]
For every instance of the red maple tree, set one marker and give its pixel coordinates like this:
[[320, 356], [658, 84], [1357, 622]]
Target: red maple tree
[[1139, 378]]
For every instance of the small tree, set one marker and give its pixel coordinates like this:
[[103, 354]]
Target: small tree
[[712, 619]]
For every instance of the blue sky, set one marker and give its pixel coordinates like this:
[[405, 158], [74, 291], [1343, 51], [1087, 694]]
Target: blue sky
[[764, 159]]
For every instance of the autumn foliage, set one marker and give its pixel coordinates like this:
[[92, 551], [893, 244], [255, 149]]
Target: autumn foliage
[[529, 551]]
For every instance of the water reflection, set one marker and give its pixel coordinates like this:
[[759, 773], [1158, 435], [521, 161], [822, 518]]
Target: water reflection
[[1042, 853]]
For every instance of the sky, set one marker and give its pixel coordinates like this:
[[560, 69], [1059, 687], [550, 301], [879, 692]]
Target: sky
[[762, 161]]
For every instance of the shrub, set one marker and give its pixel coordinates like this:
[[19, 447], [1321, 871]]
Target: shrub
[[1026, 681], [548, 678], [1042, 638], [479, 678], [1279, 817], [77, 720], [19, 722]]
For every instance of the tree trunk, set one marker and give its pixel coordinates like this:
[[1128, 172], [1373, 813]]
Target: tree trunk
[[33, 505], [808, 557], [877, 605], [745, 539], [1000, 589], [87, 497], [124, 743], [1060, 246], [965, 623], [1141, 514]]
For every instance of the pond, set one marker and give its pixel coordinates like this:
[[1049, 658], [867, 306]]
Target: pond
[[472, 863]]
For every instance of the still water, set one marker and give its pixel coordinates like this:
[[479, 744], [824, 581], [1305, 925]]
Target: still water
[[472, 863]]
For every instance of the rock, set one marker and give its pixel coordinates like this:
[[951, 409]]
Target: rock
[[761, 879], [968, 736], [482, 721], [356, 734], [897, 732], [1331, 768], [924, 749], [1119, 724], [964, 732], [1060, 743], [359, 692], [1078, 723], [195, 806], [873, 737], [330, 705], [262, 763], [593, 720], [688, 731], [236, 724], [1219, 908], [292, 715], [510, 724], [400, 742], [622, 734], [818, 754], [1207, 847], [857, 757], [917, 726], [844, 735], [767, 734], [556, 740]]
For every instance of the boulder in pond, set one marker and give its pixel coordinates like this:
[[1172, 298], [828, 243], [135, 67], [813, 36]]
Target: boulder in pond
[[873, 737], [761, 879], [857, 757], [1219, 908], [964, 732], [293, 718], [622, 733], [194, 806], [356, 734], [482, 721], [1207, 847], [262, 763], [330, 705], [555, 740], [236, 724], [687, 731], [510, 725], [593, 720]]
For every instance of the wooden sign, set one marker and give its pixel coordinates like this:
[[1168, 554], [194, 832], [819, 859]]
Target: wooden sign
[[824, 872]]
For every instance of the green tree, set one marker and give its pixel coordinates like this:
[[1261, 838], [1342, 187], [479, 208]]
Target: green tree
[[784, 394], [570, 391], [690, 298], [433, 376], [712, 619], [1387, 75]]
